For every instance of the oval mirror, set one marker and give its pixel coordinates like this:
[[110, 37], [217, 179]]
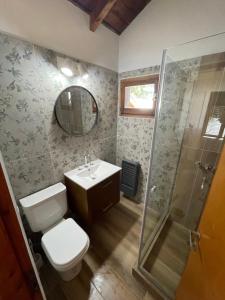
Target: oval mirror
[[76, 110]]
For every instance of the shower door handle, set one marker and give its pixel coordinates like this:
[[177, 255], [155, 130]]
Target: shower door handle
[[194, 238], [153, 188]]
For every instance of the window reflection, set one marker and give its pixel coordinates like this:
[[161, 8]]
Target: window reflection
[[215, 120]]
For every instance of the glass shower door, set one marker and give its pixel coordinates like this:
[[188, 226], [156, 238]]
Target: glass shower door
[[169, 127], [188, 138]]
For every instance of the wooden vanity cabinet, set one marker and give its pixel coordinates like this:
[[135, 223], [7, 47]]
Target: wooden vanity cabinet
[[90, 204]]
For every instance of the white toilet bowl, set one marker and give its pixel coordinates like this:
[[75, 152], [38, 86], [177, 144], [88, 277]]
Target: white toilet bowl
[[64, 241], [65, 246]]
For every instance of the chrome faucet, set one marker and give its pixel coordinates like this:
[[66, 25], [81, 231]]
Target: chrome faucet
[[206, 170], [86, 160]]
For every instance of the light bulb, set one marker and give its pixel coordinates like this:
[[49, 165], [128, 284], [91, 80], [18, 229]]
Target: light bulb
[[66, 71], [85, 76]]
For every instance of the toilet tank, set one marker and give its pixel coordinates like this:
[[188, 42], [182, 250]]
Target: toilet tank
[[46, 207]]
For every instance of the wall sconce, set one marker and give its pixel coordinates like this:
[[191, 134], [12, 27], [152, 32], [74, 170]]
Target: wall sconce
[[71, 68]]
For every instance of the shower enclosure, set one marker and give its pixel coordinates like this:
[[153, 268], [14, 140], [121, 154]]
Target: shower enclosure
[[188, 139]]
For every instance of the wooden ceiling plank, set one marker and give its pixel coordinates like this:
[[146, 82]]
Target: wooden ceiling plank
[[124, 12], [86, 6], [102, 9], [116, 15]]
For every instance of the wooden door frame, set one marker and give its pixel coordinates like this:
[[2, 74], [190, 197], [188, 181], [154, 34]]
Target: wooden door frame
[[13, 223]]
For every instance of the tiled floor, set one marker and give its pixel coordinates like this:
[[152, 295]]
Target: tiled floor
[[107, 267]]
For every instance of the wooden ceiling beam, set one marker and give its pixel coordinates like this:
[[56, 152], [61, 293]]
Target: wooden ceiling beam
[[101, 10]]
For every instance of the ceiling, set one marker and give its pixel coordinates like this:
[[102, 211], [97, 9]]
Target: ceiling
[[114, 14]]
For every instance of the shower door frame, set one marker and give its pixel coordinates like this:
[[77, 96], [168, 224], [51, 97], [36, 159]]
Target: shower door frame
[[148, 189], [150, 241]]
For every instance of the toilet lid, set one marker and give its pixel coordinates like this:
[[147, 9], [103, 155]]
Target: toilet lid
[[65, 243]]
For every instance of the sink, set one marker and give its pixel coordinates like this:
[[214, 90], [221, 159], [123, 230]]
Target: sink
[[92, 189], [93, 173]]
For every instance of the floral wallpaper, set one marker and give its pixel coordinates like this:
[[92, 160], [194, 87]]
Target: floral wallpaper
[[169, 130], [36, 150], [168, 139], [134, 137]]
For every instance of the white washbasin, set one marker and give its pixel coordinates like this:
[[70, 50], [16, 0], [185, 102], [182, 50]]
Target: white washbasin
[[93, 173]]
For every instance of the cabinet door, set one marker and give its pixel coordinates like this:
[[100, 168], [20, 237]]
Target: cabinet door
[[104, 195]]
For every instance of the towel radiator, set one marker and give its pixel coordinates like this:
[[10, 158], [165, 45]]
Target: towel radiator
[[129, 178]]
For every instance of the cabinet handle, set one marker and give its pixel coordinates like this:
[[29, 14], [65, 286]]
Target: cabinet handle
[[106, 184], [107, 207]]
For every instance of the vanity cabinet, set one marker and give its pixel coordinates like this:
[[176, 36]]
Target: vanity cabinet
[[90, 204]]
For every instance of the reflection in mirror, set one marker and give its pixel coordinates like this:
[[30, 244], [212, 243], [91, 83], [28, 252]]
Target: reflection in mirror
[[76, 110]]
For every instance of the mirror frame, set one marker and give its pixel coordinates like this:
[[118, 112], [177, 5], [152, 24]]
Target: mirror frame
[[93, 98]]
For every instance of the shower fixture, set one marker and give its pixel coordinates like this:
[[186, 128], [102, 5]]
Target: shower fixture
[[205, 168]]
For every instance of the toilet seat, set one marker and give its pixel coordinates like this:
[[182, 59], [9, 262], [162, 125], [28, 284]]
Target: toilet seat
[[65, 244]]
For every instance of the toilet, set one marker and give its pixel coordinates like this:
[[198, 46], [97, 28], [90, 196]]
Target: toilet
[[64, 241]]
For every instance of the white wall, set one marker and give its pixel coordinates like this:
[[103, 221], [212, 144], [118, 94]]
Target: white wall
[[59, 25], [166, 23]]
